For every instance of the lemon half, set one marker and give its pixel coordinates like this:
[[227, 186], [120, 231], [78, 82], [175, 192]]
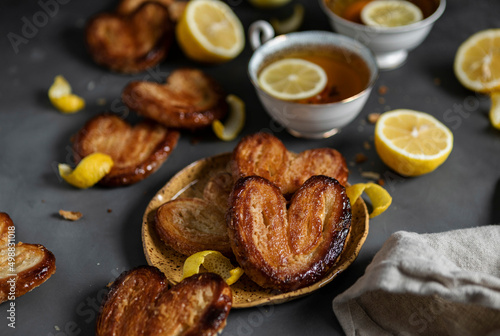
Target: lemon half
[[210, 32], [477, 61], [412, 143]]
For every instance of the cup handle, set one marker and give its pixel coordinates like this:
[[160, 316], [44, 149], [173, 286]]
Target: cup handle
[[259, 33]]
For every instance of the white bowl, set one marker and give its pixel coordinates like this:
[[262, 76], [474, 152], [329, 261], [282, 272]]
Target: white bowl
[[390, 45], [313, 121]]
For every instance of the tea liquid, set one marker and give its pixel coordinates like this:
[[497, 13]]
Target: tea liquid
[[347, 73]]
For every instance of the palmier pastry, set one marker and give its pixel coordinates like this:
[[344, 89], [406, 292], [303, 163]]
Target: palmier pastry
[[175, 8], [287, 249], [139, 303], [264, 155], [130, 42], [190, 225], [189, 99], [32, 265], [137, 151]]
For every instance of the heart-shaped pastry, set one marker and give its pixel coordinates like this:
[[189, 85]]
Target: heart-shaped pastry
[[25, 265], [190, 225], [287, 249], [137, 151], [175, 7], [263, 154], [130, 42], [189, 99], [139, 303]]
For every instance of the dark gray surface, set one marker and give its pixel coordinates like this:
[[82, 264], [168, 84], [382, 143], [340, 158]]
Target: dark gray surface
[[34, 137]]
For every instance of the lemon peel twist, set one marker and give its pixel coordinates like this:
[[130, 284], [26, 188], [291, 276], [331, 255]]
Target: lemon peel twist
[[212, 261], [379, 197], [61, 97]]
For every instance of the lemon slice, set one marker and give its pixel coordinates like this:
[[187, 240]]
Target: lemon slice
[[212, 261], [268, 3], [379, 197], [390, 13], [477, 61], [292, 79], [61, 97], [88, 172], [210, 32], [412, 143], [495, 109], [235, 121], [291, 23]]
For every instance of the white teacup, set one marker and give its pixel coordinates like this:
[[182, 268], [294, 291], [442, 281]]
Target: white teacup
[[390, 45], [312, 121]]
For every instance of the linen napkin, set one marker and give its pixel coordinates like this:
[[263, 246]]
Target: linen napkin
[[428, 284]]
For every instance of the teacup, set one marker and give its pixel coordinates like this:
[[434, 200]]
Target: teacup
[[390, 44], [308, 120]]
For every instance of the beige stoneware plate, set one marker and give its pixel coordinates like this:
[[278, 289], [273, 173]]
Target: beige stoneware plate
[[189, 182]]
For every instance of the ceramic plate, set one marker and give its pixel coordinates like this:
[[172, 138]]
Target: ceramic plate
[[189, 182]]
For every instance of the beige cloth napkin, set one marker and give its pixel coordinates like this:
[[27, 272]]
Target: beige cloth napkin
[[428, 284]]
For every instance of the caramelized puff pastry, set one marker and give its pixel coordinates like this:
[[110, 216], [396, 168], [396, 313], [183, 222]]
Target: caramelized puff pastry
[[263, 154], [287, 249], [130, 42], [140, 303], [189, 99], [137, 151], [34, 263], [190, 225]]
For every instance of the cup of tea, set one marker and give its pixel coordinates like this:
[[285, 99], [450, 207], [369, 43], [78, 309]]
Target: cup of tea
[[390, 44], [350, 69]]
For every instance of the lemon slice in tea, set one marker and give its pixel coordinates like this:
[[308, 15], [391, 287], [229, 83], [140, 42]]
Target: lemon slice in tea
[[292, 79], [390, 13]]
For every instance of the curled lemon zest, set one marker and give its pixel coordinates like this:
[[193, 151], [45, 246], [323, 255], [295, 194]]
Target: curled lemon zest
[[291, 23], [235, 121], [378, 196], [61, 97], [212, 261], [88, 172]]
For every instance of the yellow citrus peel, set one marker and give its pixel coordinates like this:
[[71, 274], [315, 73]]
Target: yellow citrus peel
[[212, 261], [378, 196], [291, 23], [61, 97], [495, 109], [88, 172], [235, 121]]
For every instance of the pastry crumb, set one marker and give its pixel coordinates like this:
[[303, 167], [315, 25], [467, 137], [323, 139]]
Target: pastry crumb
[[110, 210], [360, 158], [437, 81], [70, 215], [373, 117], [367, 145], [371, 175], [382, 90], [381, 182]]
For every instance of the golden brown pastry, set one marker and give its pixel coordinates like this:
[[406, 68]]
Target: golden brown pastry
[[137, 151], [263, 154], [175, 8], [139, 303], [34, 264], [287, 249], [189, 99], [130, 42], [191, 225]]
